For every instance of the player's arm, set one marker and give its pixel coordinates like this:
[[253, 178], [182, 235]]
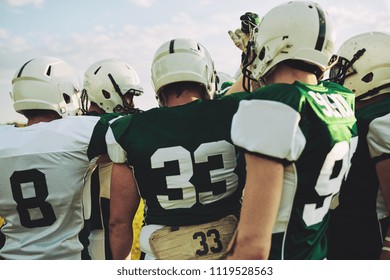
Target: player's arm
[[123, 206], [379, 146], [237, 86], [261, 201], [383, 174], [240, 38]]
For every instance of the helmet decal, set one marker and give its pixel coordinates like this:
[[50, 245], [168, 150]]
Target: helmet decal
[[172, 46], [22, 68], [322, 28]]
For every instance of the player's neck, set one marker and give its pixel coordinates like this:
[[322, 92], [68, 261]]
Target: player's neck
[[184, 98], [43, 118], [287, 75], [95, 108]]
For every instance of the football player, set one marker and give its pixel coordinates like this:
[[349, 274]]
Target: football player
[[109, 86], [298, 134], [188, 172], [43, 164], [355, 230], [224, 82]]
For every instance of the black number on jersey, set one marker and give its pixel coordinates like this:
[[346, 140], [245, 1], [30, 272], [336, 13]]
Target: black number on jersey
[[36, 204], [217, 246]]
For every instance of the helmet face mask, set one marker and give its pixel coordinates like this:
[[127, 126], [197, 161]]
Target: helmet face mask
[[363, 65], [343, 68], [111, 84], [182, 60], [46, 83], [298, 31]]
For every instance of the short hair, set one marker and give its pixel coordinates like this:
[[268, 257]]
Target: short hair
[[179, 87], [40, 112]]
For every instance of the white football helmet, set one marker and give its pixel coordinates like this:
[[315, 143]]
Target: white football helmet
[[297, 31], [107, 82], [46, 83], [363, 65], [223, 84], [180, 60]]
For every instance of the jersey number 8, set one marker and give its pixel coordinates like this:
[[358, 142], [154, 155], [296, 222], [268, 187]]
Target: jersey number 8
[[28, 205]]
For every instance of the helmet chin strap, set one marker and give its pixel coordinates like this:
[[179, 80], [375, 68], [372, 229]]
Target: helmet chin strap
[[84, 101], [125, 108], [116, 87], [247, 73], [373, 92]]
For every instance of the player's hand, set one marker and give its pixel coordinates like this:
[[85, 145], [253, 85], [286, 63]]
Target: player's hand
[[239, 38]]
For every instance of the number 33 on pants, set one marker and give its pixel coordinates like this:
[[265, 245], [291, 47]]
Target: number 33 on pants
[[207, 241]]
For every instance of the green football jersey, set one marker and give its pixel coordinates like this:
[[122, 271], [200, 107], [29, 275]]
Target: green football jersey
[[187, 169], [312, 129], [358, 194]]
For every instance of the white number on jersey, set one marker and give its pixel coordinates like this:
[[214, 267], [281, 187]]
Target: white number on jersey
[[329, 181], [186, 171], [334, 105]]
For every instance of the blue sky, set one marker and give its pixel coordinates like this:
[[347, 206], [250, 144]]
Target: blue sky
[[84, 31]]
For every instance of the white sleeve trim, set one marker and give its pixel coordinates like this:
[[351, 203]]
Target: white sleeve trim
[[268, 127], [115, 151]]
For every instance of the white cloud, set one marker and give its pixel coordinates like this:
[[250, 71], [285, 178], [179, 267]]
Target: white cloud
[[136, 44], [20, 3], [143, 3], [4, 33], [7, 112], [369, 19], [10, 43]]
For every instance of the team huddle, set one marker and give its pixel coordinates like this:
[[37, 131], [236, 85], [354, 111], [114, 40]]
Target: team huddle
[[283, 161]]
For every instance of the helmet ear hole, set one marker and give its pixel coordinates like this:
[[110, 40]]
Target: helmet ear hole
[[118, 109], [368, 78], [262, 53], [66, 98], [106, 94]]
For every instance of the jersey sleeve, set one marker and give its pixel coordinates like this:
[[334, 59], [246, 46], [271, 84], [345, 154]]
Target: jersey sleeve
[[378, 138], [97, 145], [114, 138], [268, 127]]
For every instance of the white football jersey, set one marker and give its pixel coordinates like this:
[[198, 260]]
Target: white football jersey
[[41, 180], [378, 140]]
